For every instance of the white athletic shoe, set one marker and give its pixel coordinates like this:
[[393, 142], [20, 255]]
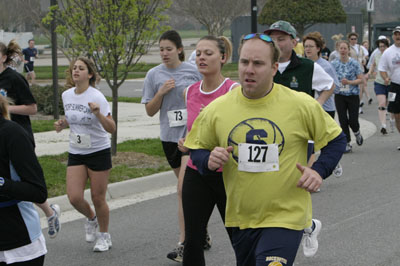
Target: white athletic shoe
[[91, 229], [310, 241], [338, 172], [103, 242], [53, 221]]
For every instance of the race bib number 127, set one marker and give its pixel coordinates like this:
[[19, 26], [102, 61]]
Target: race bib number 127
[[258, 157]]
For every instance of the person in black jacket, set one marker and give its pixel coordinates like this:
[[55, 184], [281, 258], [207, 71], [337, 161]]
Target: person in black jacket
[[21, 183], [14, 86]]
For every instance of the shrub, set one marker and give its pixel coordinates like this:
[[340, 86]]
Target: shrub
[[44, 98]]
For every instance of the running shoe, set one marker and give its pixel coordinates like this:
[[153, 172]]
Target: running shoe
[[348, 148], [361, 103], [91, 229], [207, 241], [359, 139], [384, 131], [398, 148], [338, 172], [360, 110], [53, 221], [369, 100], [103, 242], [177, 253], [310, 241]]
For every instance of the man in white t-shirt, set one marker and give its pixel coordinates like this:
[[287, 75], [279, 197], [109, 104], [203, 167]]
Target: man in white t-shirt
[[389, 68]]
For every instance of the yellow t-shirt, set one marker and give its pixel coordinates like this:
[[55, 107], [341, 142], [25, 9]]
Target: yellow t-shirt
[[299, 49], [285, 117]]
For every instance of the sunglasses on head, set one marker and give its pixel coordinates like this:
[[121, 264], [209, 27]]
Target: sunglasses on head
[[261, 36]]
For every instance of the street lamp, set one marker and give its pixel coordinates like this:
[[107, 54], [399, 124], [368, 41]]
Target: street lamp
[[254, 16]]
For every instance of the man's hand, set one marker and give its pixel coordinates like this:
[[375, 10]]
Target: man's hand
[[310, 180], [218, 157]]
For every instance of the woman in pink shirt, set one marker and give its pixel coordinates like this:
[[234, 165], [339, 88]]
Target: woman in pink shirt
[[202, 191]]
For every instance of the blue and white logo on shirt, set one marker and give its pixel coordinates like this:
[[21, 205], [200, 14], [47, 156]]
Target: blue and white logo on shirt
[[257, 131]]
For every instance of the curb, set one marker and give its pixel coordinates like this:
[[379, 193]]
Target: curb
[[122, 189]]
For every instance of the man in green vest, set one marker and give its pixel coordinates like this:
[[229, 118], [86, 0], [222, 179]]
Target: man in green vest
[[295, 72]]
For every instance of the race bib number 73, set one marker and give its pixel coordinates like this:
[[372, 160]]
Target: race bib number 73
[[177, 118], [258, 157]]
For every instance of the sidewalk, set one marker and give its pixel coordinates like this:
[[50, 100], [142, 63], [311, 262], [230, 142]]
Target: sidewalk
[[133, 123]]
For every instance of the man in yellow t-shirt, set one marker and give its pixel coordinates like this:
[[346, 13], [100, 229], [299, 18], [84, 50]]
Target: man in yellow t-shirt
[[259, 135]]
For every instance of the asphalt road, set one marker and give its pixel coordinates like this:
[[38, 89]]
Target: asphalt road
[[359, 213]]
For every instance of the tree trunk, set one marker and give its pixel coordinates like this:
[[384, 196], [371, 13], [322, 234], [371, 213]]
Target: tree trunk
[[114, 89]]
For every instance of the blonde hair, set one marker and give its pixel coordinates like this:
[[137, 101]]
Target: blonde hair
[[4, 107], [224, 45], [10, 50]]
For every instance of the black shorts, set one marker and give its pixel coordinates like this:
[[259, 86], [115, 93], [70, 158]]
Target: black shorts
[[331, 113], [96, 161], [173, 154], [264, 246], [394, 107], [28, 68]]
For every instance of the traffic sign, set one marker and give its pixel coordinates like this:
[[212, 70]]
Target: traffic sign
[[370, 5]]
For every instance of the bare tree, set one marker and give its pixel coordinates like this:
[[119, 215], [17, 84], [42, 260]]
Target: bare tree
[[215, 15], [14, 15]]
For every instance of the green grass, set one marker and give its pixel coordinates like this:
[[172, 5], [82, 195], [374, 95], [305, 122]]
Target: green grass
[[139, 71], [126, 99], [42, 125], [146, 146], [41, 39], [55, 166], [45, 72]]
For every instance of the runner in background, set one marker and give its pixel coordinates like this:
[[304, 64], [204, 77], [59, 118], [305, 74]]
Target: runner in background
[[381, 89], [313, 43], [347, 99], [163, 93], [30, 54], [389, 68], [88, 115]]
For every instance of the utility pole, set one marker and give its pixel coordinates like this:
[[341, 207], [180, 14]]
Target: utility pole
[[254, 16], [370, 9], [54, 64]]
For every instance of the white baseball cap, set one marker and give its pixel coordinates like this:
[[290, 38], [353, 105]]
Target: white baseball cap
[[397, 29], [382, 37]]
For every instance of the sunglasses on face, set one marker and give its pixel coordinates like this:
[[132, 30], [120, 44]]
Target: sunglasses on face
[[353, 39], [261, 36]]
